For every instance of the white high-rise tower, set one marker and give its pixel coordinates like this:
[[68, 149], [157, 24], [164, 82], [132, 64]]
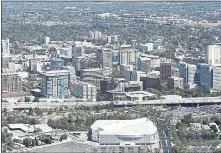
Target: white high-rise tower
[[5, 47], [213, 55]]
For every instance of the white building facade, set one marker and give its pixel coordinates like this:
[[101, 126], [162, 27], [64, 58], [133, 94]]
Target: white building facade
[[213, 55], [217, 78], [126, 133]]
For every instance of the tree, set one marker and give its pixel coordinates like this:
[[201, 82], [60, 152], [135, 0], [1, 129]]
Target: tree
[[153, 91], [205, 121], [38, 111], [216, 120], [65, 107], [61, 109], [3, 137], [27, 142], [187, 119], [163, 86], [32, 121], [36, 99], [51, 123], [50, 112], [47, 140], [27, 99], [33, 142], [179, 149], [213, 128], [37, 130], [5, 110], [63, 137]]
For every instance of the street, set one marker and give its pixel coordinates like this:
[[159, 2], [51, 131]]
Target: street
[[165, 136]]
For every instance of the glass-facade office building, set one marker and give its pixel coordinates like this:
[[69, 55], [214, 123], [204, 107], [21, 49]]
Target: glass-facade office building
[[55, 84]]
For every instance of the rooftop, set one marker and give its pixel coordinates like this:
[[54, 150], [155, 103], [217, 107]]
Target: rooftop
[[139, 94], [125, 127], [84, 83], [55, 72]]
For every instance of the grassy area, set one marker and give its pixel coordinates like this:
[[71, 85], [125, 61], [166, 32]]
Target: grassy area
[[57, 116]]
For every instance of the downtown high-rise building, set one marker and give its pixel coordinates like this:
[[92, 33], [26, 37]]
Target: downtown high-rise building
[[55, 84], [175, 82], [165, 71], [78, 50], [105, 58], [85, 91], [217, 78], [11, 83], [213, 55], [128, 56], [5, 47], [187, 72], [205, 76], [144, 64]]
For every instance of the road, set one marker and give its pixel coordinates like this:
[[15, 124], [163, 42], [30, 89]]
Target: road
[[165, 136], [212, 100]]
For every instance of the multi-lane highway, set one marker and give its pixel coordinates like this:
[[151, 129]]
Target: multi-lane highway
[[165, 136], [201, 100]]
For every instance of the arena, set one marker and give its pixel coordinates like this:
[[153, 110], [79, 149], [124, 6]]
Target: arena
[[138, 133]]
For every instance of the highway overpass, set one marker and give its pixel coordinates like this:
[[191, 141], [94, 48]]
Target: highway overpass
[[180, 101]]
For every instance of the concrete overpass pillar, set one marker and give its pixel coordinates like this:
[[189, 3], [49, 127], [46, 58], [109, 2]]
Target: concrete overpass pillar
[[198, 105]]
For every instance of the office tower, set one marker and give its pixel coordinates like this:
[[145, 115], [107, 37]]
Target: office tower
[[94, 75], [205, 76], [175, 82], [85, 91], [55, 83], [165, 71], [47, 40], [35, 65], [57, 64], [217, 78], [183, 70], [5, 59], [11, 83], [99, 57], [109, 39], [124, 68], [72, 77], [134, 75], [115, 38], [78, 50], [149, 46], [128, 56], [213, 55], [5, 47], [105, 58], [150, 82], [65, 52], [155, 60], [187, 72], [106, 84], [144, 64], [97, 35], [191, 73]]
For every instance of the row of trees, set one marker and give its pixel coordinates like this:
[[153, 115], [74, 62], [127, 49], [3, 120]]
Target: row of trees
[[84, 121]]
